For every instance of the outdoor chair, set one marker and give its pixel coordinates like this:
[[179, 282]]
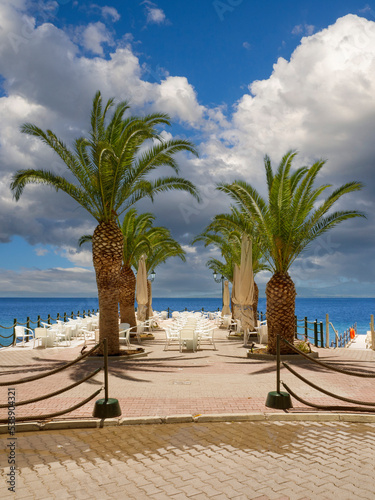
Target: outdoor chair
[[206, 335], [23, 332], [171, 335]]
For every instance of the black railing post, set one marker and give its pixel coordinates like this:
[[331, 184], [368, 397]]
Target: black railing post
[[27, 326], [296, 327], [316, 333], [306, 333], [38, 322], [49, 319], [83, 314], [57, 317], [278, 364], [14, 331], [168, 312], [72, 315], [105, 349], [321, 335], [64, 317]]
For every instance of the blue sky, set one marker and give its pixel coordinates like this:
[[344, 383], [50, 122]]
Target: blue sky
[[239, 78]]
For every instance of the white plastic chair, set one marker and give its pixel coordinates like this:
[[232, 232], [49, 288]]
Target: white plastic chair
[[23, 332], [206, 335], [171, 335]]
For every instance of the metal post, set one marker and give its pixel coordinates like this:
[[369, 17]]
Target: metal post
[[278, 364], [316, 333], [296, 327], [321, 335], [57, 316], [105, 349], [64, 317], [327, 330], [306, 333], [49, 319], [14, 331], [38, 322], [278, 399]]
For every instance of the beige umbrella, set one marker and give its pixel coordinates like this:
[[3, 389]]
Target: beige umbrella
[[226, 299], [142, 295], [243, 286]]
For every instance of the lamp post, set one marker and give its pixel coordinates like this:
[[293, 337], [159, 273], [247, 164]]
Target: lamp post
[[152, 276], [217, 280]]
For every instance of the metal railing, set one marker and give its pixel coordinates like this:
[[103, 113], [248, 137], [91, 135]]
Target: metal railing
[[363, 405], [317, 336], [33, 378], [64, 317]]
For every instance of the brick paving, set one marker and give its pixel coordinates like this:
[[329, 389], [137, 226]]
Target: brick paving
[[223, 460], [171, 383], [267, 459]]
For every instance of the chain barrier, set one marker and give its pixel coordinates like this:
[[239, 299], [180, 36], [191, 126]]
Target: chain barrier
[[102, 344]]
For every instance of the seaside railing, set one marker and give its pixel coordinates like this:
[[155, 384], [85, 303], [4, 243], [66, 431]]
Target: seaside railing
[[282, 400], [28, 324], [101, 406]]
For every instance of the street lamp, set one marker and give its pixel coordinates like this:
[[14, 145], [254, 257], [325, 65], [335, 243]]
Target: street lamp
[[217, 280], [152, 276]]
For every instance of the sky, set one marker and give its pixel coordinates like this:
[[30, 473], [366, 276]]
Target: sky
[[239, 78]]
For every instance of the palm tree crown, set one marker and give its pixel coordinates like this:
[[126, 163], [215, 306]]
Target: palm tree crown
[[110, 170], [289, 221]]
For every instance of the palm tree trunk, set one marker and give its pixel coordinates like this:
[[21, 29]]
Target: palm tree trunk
[[149, 299], [127, 295], [107, 245], [255, 303], [281, 295]]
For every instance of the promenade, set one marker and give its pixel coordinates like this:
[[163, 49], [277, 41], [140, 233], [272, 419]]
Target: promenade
[[208, 433]]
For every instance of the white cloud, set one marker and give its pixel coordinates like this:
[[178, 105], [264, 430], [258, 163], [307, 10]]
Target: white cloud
[[320, 102], [303, 29], [111, 12], [40, 252], [155, 15], [246, 45], [93, 37]]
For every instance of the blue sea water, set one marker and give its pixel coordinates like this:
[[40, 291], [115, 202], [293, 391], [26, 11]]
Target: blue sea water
[[343, 312]]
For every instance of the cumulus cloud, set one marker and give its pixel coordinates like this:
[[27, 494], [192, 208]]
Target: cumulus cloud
[[155, 15], [320, 102], [111, 13], [94, 36]]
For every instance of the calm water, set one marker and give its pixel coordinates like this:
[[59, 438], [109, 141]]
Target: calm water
[[343, 312]]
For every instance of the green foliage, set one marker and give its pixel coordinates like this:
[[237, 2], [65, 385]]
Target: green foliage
[[291, 217], [225, 232], [110, 170]]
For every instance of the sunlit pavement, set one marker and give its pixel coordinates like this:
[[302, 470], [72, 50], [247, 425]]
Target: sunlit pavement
[[269, 458], [258, 460]]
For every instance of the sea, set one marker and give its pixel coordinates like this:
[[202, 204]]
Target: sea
[[343, 312]]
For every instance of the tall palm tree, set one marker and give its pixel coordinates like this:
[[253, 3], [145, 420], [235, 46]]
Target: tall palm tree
[[136, 230], [286, 225], [110, 175], [225, 232], [162, 247]]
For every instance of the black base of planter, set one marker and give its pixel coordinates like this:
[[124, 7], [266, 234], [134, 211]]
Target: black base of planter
[[109, 408], [279, 400]]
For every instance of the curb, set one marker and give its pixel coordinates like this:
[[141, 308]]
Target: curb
[[179, 419]]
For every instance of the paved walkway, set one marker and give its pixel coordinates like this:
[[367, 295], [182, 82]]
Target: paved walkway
[[255, 453]]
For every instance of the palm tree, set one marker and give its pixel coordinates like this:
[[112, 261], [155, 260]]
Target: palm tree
[[110, 175], [286, 225], [225, 232], [162, 247]]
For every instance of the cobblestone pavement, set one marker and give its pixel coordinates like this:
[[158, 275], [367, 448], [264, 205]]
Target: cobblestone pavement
[[226, 460]]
